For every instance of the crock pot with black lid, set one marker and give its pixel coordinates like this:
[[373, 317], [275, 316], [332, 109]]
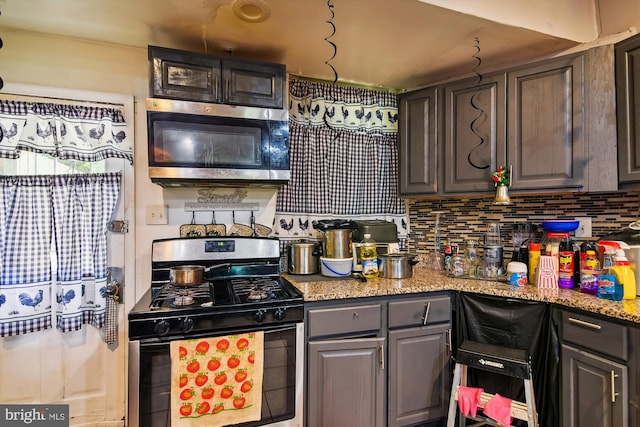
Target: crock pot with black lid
[[337, 237]]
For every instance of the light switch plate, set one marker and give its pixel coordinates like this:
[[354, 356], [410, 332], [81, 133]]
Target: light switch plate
[[584, 229], [156, 215]]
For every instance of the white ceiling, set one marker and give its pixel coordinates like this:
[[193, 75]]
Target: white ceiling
[[399, 44]]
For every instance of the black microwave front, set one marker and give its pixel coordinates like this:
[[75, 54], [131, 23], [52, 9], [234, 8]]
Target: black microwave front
[[201, 144]]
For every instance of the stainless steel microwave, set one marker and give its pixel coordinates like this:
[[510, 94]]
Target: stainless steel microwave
[[202, 144]]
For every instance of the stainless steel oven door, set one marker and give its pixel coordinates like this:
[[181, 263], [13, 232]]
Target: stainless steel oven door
[[282, 397]]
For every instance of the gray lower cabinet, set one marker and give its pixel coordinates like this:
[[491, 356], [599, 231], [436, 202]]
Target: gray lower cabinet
[[598, 390], [380, 363], [345, 364], [348, 379], [418, 377], [596, 378]]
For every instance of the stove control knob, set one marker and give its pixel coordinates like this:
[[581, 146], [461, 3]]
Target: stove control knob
[[259, 316], [187, 324], [162, 327], [279, 314]]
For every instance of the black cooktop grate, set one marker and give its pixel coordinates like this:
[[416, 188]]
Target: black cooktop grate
[[177, 297]]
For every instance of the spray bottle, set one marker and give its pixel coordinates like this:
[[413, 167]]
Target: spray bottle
[[617, 280]]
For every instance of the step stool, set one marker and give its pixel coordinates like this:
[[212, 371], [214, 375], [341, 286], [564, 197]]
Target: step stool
[[501, 360]]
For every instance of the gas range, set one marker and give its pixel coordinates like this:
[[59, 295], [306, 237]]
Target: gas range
[[250, 293]]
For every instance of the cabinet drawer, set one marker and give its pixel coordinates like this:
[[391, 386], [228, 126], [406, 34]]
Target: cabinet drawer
[[595, 334], [412, 312], [344, 320]]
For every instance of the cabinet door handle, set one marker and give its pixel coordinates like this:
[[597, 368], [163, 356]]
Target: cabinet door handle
[[381, 349], [426, 314], [589, 325], [450, 348], [613, 387], [227, 85], [216, 89]]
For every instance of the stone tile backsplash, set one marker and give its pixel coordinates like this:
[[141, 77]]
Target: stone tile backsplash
[[467, 218]]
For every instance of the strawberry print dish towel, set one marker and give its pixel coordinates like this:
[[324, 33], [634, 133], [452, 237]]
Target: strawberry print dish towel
[[217, 381]]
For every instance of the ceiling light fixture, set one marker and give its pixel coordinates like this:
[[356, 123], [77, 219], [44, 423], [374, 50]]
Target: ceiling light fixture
[[251, 10]]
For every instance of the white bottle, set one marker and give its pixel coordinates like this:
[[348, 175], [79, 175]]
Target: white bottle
[[369, 257]]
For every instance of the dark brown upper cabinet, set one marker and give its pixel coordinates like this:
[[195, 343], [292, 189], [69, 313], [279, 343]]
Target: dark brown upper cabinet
[[192, 76], [627, 59], [418, 132], [474, 133], [552, 122], [546, 127]]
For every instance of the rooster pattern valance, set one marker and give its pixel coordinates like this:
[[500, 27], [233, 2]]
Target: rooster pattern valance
[[346, 108], [85, 133]]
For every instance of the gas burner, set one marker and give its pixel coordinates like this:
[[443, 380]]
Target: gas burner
[[256, 289], [257, 294], [182, 301], [171, 296]]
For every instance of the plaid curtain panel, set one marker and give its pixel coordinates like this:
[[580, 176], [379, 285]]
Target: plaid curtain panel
[[82, 208], [344, 159], [73, 210], [25, 247]]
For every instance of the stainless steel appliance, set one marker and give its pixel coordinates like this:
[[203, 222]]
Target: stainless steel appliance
[[244, 293], [337, 237], [194, 143], [304, 257]]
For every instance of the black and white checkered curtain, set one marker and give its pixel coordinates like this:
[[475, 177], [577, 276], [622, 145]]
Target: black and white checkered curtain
[[82, 208], [74, 211], [25, 254], [344, 158]]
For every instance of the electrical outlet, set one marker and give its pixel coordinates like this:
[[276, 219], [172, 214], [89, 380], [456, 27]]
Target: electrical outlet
[[156, 215], [584, 229]]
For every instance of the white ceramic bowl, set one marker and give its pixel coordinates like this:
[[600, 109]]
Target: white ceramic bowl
[[336, 267]]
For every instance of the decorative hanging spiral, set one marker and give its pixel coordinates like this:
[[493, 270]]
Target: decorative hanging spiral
[[335, 48], [482, 116], [476, 56]]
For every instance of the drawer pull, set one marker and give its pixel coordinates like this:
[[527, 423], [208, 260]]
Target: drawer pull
[[426, 314], [589, 325], [355, 315], [613, 387]]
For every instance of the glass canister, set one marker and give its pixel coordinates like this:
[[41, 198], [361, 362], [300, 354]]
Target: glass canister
[[471, 258]]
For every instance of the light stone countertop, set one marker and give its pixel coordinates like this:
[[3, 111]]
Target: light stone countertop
[[320, 288]]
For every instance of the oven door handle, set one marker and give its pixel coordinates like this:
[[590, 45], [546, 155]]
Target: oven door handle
[[157, 342]]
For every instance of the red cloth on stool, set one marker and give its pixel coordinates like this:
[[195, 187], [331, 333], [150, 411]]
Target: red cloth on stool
[[499, 408], [469, 399]]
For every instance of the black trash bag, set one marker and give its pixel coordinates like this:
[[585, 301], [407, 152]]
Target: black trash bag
[[526, 325]]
